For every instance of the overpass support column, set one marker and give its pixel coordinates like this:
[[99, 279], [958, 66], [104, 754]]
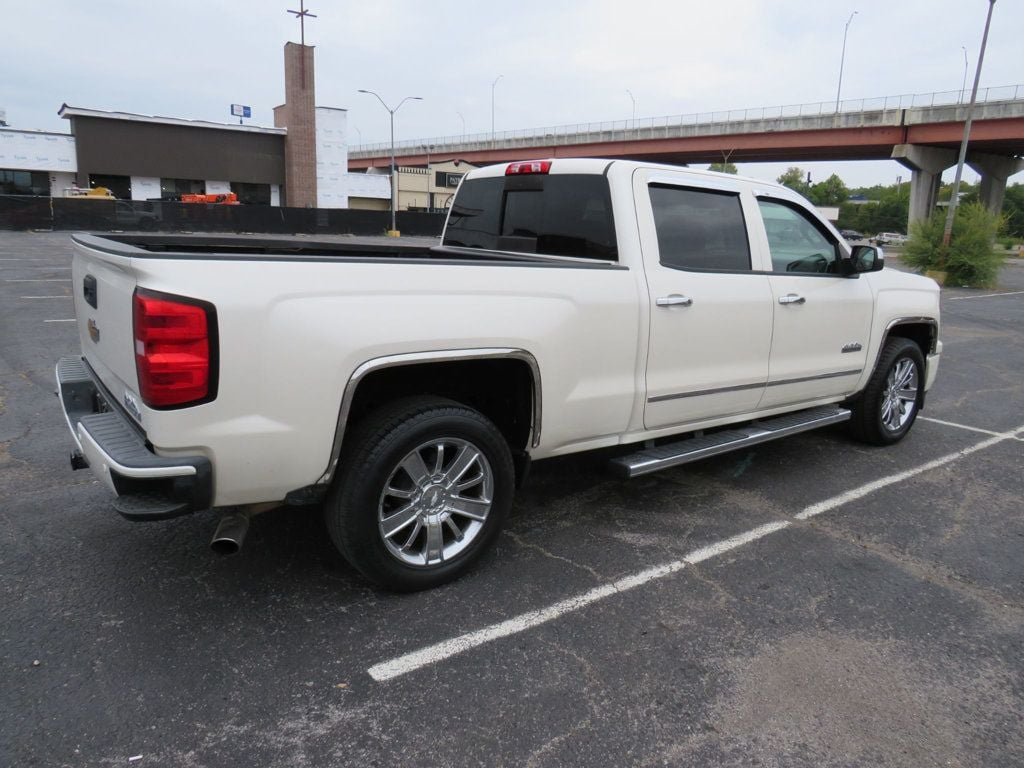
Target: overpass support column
[[994, 171], [927, 164]]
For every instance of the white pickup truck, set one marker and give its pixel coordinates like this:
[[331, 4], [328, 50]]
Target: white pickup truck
[[574, 304]]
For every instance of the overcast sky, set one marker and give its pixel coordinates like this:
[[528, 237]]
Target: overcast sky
[[560, 62]]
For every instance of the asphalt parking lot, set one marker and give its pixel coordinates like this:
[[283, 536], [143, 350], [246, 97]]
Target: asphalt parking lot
[[810, 602]]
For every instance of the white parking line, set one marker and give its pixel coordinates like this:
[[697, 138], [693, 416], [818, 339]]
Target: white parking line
[[985, 295], [447, 648], [882, 482], [44, 297], [432, 654], [958, 426], [40, 280], [69, 320]]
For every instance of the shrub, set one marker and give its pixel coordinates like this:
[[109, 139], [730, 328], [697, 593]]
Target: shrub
[[969, 259]]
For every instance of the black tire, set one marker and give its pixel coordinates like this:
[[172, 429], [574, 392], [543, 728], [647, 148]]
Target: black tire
[[869, 423], [373, 460]]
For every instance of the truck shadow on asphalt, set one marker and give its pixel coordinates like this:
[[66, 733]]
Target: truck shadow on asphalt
[[288, 554]]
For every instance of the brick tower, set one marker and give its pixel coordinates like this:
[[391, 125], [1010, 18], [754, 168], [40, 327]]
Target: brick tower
[[298, 115]]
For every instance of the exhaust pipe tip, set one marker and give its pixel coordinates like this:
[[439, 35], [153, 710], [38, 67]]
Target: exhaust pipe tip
[[230, 534]]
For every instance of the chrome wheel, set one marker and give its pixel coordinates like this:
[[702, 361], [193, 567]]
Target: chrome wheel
[[435, 502], [899, 398]]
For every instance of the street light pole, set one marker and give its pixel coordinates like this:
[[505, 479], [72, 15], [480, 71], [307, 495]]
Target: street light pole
[[842, 59], [463, 125], [427, 148], [633, 99], [963, 86], [947, 233], [495, 83], [394, 173]]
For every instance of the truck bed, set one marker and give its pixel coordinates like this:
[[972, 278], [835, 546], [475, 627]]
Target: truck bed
[[244, 248]]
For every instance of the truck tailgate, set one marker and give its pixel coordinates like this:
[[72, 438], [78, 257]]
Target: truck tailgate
[[103, 286]]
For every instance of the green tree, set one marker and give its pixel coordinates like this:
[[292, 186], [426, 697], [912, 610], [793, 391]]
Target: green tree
[[1013, 210], [795, 179], [831, 191], [724, 168], [969, 259]]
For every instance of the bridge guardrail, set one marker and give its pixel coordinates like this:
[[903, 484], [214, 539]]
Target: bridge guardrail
[[648, 126]]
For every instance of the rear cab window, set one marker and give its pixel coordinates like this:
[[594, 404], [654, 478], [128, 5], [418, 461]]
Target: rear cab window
[[565, 214], [700, 229]]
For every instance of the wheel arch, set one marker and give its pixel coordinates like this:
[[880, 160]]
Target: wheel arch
[[923, 331], [488, 380]]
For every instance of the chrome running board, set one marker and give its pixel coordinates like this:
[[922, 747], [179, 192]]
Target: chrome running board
[[703, 446]]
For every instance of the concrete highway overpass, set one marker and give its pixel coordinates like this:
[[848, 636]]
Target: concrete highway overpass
[[921, 131]]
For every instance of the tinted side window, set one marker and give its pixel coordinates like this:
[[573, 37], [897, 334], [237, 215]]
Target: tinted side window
[[558, 215], [700, 228], [797, 244]]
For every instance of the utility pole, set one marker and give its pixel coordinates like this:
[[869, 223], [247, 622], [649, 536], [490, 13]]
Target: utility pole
[[633, 99], [947, 233]]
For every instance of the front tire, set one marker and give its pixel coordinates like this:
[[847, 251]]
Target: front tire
[[888, 406], [424, 486]]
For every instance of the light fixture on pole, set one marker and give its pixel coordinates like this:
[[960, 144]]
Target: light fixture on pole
[[633, 99], [493, 85], [842, 59], [947, 233], [393, 170]]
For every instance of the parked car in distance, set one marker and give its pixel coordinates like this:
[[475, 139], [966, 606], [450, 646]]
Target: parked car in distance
[[851, 234], [889, 238]]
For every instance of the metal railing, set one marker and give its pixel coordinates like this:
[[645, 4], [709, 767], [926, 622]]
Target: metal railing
[[640, 127]]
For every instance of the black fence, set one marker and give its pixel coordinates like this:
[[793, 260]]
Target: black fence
[[22, 212]]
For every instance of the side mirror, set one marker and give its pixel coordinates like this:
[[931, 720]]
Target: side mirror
[[866, 258]]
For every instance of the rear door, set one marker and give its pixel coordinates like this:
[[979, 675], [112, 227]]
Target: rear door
[[821, 318], [711, 313]]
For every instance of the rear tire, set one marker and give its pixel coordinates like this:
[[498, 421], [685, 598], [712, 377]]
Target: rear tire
[[887, 408], [423, 488]]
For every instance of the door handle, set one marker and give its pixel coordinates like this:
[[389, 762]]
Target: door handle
[[792, 298], [674, 300]]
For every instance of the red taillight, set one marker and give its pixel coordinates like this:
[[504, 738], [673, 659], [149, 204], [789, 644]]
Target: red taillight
[[528, 166], [173, 349]]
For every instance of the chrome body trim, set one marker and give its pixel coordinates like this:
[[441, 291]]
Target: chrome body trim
[[439, 356], [739, 387], [910, 321]]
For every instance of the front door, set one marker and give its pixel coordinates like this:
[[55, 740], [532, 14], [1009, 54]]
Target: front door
[[821, 318]]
